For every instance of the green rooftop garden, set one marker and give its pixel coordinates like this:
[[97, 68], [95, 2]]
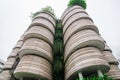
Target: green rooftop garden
[[47, 9], [81, 3]]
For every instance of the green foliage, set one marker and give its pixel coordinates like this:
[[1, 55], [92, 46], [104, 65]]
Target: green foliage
[[93, 77], [81, 3], [58, 65], [58, 53], [47, 9], [34, 14]]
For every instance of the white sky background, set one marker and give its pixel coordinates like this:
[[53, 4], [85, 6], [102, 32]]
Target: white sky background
[[14, 20]]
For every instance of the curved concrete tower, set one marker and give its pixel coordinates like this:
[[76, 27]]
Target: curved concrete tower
[[83, 45], [36, 57], [63, 49], [12, 61], [114, 71]]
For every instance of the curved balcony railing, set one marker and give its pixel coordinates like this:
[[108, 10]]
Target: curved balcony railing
[[114, 72], [109, 56], [85, 60], [35, 67], [81, 39], [41, 33], [69, 10], [36, 47], [8, 65]]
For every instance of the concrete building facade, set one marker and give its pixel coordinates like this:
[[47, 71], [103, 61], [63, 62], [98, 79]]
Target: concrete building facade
[[1, 65], [84, 53]]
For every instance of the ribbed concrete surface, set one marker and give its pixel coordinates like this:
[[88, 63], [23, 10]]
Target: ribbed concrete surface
[[79, 25], [114, 72], [43, 22], [85, 60], [21, 38], [9, 63], [5, 75], [107, 48], [16, 48], [32, 66], [37, 47], [69, 9], [82, 39], [73, 12], [14, 53], [47, 16], [74, 18], [36, 53], [19, 44], [109, 56], [40, 32]]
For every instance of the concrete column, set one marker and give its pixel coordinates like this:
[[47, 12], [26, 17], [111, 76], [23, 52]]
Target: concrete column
[[100, 74], [80, 76], [21, 78]]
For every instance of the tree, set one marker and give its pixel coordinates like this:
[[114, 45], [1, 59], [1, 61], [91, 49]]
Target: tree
[[81, 3], [47, 9]]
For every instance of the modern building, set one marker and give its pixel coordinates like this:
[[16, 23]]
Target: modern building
[[66, 49], [85, 51]]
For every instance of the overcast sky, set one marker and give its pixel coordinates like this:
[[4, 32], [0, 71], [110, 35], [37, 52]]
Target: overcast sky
[[14, 20]]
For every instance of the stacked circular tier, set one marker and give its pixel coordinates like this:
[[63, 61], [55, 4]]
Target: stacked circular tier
[[87, 61], [17, 47], [38, 43], [74, 20], [109, 56], [9, 63], [81, 38], [114, 72], [38, 47], [34, 67], [5, 75], [12, 57]]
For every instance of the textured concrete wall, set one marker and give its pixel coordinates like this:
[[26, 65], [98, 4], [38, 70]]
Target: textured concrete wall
[[44, 21], [5, 75], [38, 47], [77, 26], [9, 63], [82, 39], [85, 51], [8, 67], [14, 53], [107, 52], [36, 55], [114, 71], [31, 66], [70, 9], [86, 60], [41, 33], [83, 45]]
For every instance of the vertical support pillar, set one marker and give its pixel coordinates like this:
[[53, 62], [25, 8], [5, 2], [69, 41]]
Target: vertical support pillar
[[80, 76], [100, 74], [21, 78]]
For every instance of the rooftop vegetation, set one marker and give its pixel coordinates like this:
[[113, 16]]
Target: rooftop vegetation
[[47, 9], [81, 3], [94, 77]]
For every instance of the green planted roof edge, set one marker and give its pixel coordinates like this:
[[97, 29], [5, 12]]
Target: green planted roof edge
[[47, 9], [81, 3]]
